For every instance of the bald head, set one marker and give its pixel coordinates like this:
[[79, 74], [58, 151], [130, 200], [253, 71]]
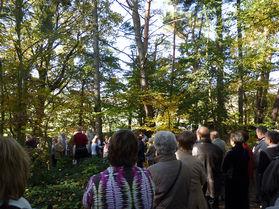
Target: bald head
[[203, 133]]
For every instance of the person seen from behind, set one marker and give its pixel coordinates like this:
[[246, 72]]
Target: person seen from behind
[[235, 167], [171, 176], [260, 146], [211, 157], [215, 139], [150, 153], [14, 173], [80, 142], [186, 141], [122, 185], [59, 149], [96, 147], [141, 147], [245, 136], [266, 157]]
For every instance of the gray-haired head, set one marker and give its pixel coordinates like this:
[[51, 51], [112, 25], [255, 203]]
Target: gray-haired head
[[80, 128], [165, 142]]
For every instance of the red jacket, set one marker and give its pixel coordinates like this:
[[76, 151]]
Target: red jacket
[[80, 139], [250, 165]]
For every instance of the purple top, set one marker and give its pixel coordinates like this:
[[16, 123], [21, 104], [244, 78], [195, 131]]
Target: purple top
[[120, 187]]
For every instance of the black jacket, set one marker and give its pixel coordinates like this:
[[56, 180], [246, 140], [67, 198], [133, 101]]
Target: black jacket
[[266, 156], [235, 167], [211, 156]]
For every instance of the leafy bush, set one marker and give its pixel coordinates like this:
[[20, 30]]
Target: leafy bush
[[63, 186]]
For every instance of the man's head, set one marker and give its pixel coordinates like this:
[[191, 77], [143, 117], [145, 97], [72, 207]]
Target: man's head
[[80, 129], [63, 134], [203, 133], [272, 137], [214, 135], [260, 131]]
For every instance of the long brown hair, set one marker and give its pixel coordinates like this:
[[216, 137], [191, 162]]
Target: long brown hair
[[14, 167]]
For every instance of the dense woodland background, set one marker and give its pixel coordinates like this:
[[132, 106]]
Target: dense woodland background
[[146, 64], [186, 63]]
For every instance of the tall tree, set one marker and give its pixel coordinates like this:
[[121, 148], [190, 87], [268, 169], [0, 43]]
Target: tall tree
[[240, 61], [22, 73], [221, 110], [142, 48], [97, 91]]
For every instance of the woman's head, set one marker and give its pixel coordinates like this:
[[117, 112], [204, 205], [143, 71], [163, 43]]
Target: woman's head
[[95, 139], [186, 140], [165, 142], [245, 135], [236, 138], [14, 167], [123, 149]]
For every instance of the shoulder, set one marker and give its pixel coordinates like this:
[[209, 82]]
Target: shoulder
[[20, 203]]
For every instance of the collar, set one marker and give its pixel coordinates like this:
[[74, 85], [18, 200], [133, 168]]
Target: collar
[[204, 141], [163, 158]]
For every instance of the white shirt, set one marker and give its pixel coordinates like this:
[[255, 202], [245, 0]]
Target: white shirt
[[20, 203]]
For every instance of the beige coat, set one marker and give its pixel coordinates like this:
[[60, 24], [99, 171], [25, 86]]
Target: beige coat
[[163, 174], [198, 179], [58, 150]]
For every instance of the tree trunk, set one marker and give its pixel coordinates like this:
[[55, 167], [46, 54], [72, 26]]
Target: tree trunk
[[142, 47], [97, 92], [275, 108], [20, 113], [2, 101], [221, 111], [81, 104], [261, 98], [240, 65], [173, 53]]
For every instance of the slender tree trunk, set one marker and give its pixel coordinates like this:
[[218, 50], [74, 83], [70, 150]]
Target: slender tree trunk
[[81, 104], [173, 53], [240, 64], [97, 88], [20, 114], [2, 101], [195, 63], [275, 108], [221, 111], [261, 98], [142, 47], [245, 108]]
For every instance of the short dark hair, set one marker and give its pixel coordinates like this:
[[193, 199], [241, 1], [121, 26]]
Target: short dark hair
[[262, 129], [237, 137], [245, 135], [273, 136], [186, 140], [123, 149]]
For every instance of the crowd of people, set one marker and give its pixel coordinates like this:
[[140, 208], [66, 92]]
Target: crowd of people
[[192, 170]]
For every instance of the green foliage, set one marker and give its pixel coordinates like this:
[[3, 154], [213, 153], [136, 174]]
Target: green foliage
[[62, 187]]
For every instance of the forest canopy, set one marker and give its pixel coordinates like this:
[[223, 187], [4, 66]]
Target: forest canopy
[[149, 64]]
